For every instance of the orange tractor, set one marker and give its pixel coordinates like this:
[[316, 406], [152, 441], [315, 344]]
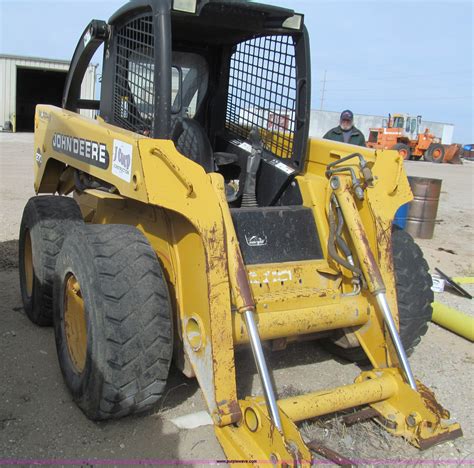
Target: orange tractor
[[402, 133]]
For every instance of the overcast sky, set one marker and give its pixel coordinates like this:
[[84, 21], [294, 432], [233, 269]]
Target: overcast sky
[[379, 56]]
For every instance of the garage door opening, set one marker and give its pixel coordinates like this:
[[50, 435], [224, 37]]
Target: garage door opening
[[35, 86]]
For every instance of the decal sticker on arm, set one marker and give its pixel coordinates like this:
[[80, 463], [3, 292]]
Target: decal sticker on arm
[[122, 160]]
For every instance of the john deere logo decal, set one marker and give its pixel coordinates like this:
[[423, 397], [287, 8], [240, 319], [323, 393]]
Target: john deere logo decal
[[88, 151], [256, 240]]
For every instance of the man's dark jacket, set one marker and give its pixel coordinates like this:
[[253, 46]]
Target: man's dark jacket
[[335, 134]]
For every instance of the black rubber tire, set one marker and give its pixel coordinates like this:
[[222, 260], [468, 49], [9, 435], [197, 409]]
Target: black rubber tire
[[128, 316], [48, 219], [402, 146], [414, 296], [428, 156]]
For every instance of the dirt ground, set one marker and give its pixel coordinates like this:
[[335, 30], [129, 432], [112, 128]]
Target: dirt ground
[[38, 419]]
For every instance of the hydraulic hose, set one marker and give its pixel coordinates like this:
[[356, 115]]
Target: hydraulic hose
[[340, 241], [332, 245]]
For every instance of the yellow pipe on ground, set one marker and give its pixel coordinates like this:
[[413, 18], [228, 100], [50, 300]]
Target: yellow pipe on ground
[[465, 280], [328, 401], [454, 320]]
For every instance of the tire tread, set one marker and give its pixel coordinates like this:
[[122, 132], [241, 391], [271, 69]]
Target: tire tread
[[50, 218], [137, 352]]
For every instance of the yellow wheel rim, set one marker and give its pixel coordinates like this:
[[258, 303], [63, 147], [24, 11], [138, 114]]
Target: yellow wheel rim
[[28, 264], [75, 324]]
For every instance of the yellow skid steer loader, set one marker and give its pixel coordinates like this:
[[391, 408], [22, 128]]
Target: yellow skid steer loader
[[203, 219]]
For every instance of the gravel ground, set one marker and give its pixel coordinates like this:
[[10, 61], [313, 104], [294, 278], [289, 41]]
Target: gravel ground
[[452, 246], [38, 419]]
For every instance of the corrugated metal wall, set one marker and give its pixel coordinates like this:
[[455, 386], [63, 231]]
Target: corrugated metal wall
[[8, 67]]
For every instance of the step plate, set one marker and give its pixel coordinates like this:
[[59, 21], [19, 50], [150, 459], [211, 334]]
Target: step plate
[[277, 234]]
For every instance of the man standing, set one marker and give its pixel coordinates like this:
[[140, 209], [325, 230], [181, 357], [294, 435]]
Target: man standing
[[346, 132]]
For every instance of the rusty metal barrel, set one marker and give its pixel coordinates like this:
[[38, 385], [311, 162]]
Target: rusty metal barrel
[[423, 209]]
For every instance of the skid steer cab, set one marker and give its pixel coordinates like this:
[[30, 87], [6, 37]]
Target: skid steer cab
[[203, 219]]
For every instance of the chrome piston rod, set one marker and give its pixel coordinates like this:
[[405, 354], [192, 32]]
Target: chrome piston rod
[[262, 368], [369, 267], [397, 342]]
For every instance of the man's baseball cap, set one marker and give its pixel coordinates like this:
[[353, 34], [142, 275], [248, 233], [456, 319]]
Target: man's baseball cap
[[347, 115]]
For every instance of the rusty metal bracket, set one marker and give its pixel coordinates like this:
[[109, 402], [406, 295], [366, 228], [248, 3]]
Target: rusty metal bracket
[[318, 447], [359, 416], [438, 439]]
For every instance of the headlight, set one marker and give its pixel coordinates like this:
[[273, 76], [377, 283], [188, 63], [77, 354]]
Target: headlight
[[188, 6], [293, 22]]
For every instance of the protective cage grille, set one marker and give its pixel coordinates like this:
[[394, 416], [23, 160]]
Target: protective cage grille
[[262, 92], [133, 100]]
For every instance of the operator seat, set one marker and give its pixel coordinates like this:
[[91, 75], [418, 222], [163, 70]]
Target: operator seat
[[192, 141]]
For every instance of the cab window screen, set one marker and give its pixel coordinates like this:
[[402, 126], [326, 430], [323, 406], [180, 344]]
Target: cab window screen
[[262, 92], [133, 104]]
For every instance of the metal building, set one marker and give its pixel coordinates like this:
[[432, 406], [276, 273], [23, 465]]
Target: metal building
[[28, 81]]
